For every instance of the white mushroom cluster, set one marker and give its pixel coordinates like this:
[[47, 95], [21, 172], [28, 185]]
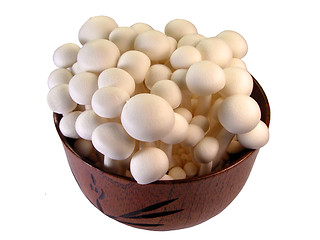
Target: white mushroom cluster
[[155, 105]]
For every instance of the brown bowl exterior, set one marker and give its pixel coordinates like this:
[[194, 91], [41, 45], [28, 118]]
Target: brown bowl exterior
[[164, 205]]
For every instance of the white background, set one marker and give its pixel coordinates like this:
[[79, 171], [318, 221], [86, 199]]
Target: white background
[[40, 198]]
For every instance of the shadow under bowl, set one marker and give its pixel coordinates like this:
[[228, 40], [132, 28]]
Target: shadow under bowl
[[164, 205]]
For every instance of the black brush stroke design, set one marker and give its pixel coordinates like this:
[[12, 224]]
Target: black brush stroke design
[[143, 213]]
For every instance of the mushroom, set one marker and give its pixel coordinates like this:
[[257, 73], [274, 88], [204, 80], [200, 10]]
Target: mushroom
[[141, 27], [111, 140], [185, 113], [117, 77], [256, 138], [194, 135], [205, 78], [236, 62], [147, 117], [148, 165], [178, 28], [86, 123], [236, 42], [238, 81], [107, 102], [184, 57], [190, 169], [190, 40], [67, 124], [82, 86], [98, 27], [135, 63], [59, 76], [169, 91], [206, 150], [177, 173], [85, 149], [179, 77], [66, 55], [123, 37], [59, 100], [201, 121], [215, 50], [116, 166], [98, 55], [156, 73], [154, 44]]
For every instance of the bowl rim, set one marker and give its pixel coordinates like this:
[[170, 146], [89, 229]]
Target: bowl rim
[[242, 158]]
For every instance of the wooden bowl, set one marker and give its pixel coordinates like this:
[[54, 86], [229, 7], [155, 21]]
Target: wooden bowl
[[164, 205]]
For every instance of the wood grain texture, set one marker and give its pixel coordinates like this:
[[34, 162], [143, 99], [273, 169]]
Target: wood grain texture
[[164, 205]]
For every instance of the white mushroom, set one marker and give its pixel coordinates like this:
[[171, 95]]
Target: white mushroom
[[141, 27], [215, 50], [237, 62], [156, 73], [190, 169], [205, 78], [184, 57], [59, 76], [66, 55], [190, 40], [239, 114], [117, 77], [86, 123], [177, 173], [111, 140], [179, 131], [67, 124], [107, 102], [238, 81], [147, 117], [98, 27], [82, 86], [201, 121], [185, 113], [194, 135], [59, 99], [169, 91], [256, 138], [178, 28], [206, 150], [148, 165], [154, 44], [116, 166], [135, 63], [123, 37], [85, 149], [236, 42], [98, 55]]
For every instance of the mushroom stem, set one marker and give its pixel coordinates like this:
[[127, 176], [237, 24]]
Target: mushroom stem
[[205, 168], [203, 106], [116, 166], [167, 148]]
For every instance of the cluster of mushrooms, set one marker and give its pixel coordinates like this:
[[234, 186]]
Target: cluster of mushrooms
[[155, 106]]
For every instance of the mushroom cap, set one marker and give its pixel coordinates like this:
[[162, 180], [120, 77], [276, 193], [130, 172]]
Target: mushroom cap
[[148, 165], [123, 37], [82, 86], [98, 55], [86, 123], [239, 113], [117, 77], [98, 27], [59, 100], [177, 173], [237, 62], [177, 28], [194, 135], [205, 78], [236, 42], [201, 121], [83, 147], [135, 63], [141, 27], [206, 150], [179, 77], [190, 40], [215, 50], [190, 169], [59, 76], [179, 131], [107, 102], [184, 57], [156, 73], [67, 124], [185, 113], [112, 140], [66, 55], [169, 91], [147, 117], [238, 81], [154, 44], [256, 138]]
